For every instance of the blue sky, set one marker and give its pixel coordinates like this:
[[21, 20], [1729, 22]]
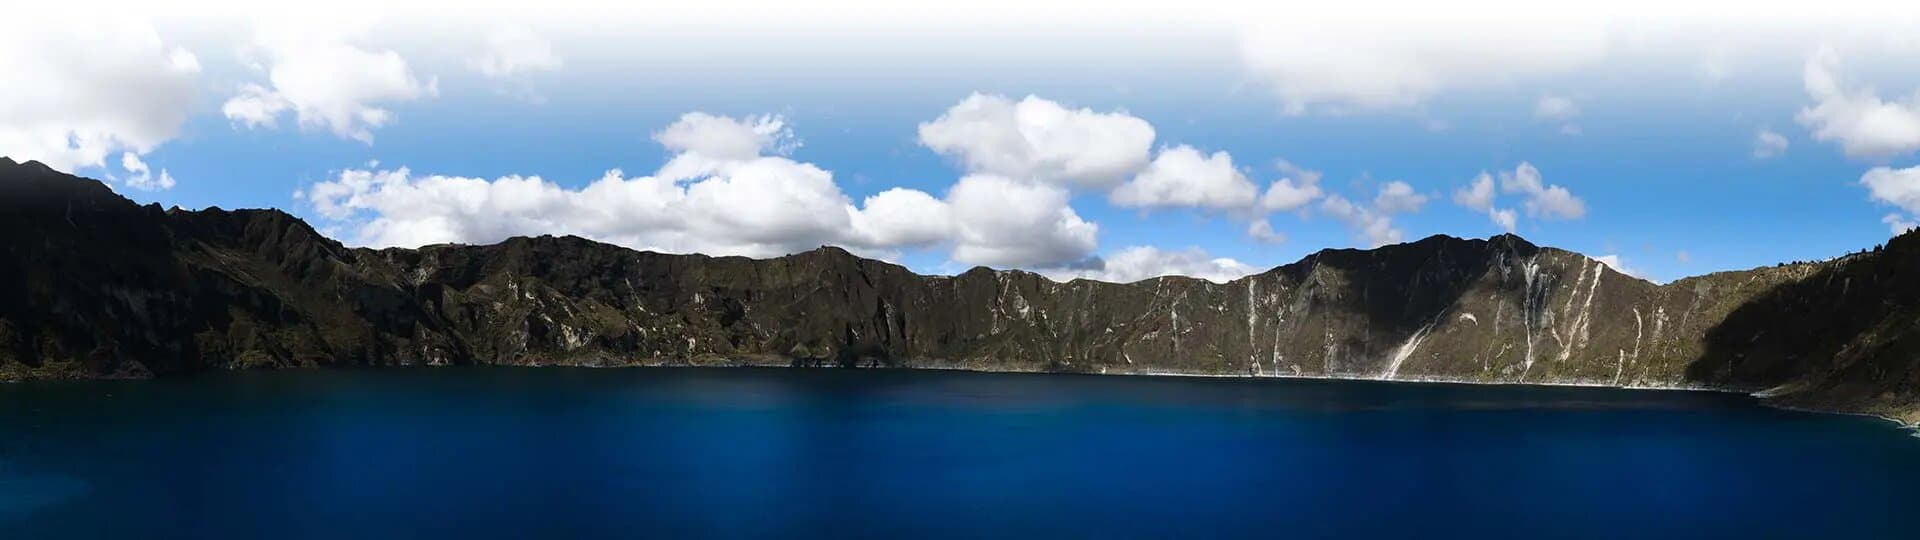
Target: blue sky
[[1652, 129]]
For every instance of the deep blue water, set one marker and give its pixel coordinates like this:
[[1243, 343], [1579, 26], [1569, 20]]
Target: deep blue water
[[677, 453]]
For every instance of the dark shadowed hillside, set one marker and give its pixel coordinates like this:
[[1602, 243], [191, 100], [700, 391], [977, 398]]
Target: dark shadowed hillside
[[93, 285]]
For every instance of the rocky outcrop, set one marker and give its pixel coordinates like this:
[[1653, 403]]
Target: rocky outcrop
[[93, 285]]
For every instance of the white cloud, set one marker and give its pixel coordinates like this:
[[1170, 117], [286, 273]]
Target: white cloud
[[327, 82], [515, 50], [1898, 224], [1293, 170], [1477, 196], [1297, 187], [763, 207], [1505, 218], [740, 203], [79, 90], [1683, 256], [1619, 265], [1262, 231], [1040, 140], [1142, 262], [719, 195], [1543, 201], [1897, 187], [1183, 176], [903, 217], [1286, 195], [1373, 63], [703, 141], [140, 177], [1374, 224], [1558, 109], [1863, 124], [1398, 197], [1767, 144], [255, 106], [1005, 222], [1555, 108], [773, 202]]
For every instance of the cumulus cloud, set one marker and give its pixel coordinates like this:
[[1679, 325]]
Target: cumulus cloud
[[702, 142], [1183, 176], [1006, 222], [742, 204], [1479, 196], [1897, 187], [1505, 218], [1296, 187], [142, 178], [766, 207], [1286, 195], [1540, 200], [1543, 201], [514, 50], [80, 90], [1142, 262], [1398, 197], [1767, 144], [1864, 125], [327, 81], [903, 217], [1898, 224], [1373, 223], [1373, 64], [1040, 140], [720, 194], [1262, 231]]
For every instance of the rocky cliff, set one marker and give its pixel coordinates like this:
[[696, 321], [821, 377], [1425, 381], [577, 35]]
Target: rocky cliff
[[93, 285]]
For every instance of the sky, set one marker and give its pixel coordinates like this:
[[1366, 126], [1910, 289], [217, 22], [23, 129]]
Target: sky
[[1114, 143]]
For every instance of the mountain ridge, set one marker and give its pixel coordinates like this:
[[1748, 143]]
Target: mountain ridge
[[98, 286]]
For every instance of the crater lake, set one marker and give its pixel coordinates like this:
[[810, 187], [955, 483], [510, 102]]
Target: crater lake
[[482, 452]]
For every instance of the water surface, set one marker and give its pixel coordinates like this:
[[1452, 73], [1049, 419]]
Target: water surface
[[555, 452]]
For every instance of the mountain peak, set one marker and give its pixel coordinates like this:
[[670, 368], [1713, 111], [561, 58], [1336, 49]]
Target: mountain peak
[[110, 288]]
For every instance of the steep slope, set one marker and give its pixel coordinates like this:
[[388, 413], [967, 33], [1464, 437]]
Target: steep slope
[[1842, 335], [95, 286]]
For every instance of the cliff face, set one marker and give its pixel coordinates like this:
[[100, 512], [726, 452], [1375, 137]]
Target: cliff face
[[93, 285]]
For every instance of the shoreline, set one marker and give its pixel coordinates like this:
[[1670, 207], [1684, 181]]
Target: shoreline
[[1759, 396]]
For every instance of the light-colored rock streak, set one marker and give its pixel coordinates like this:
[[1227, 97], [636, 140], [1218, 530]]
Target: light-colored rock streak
[[1530, 274], [1637, 326], [1577, 327], [1279, 318], [1622, 365], [1566, 311], [1174, 312], [1253, 318], [1406, 349]]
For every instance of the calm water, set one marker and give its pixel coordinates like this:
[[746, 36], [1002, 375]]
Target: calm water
[[535, 453]]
